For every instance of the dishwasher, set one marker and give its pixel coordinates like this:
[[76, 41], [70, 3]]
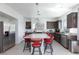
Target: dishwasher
[[72, 45]]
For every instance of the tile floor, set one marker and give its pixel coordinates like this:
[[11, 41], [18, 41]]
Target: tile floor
[[18, 50]]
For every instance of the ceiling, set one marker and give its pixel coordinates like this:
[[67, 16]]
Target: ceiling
[[46, 10]]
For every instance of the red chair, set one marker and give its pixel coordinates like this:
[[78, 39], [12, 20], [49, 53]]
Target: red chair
[[27, 44], [47, 33], [48, 42], [36, 44]]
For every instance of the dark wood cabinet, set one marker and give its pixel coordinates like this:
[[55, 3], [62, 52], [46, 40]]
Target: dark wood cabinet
[[64, 41], [28, 25], [72, 42], [72, 20], [56, 25], [67, 39], [57, 37], [51, 25]]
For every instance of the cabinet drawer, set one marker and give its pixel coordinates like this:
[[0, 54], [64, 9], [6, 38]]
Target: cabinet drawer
[[72, 37]]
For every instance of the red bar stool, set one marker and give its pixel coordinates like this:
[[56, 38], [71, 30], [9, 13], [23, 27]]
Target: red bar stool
[[36, 43], [27, 44], [48, 42]]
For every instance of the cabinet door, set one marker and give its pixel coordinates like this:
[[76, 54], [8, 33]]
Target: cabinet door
[[28, 25], [51, 25], [56, 24], [64, 41], [12, 39], [69, 21], [1, 36], [72, 20], [62, 38], [6, 43]]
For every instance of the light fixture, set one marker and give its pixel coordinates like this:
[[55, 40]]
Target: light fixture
[[37, 12]]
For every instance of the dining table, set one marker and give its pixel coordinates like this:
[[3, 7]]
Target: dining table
[[35, 36]]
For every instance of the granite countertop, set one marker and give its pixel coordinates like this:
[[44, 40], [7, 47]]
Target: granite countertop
[[71, 34]]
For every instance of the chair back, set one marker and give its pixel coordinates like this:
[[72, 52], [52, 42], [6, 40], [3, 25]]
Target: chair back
[[49, 40], [27, 40], [36, 40]]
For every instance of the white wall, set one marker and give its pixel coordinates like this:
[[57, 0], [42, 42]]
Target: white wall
[[63, 25], [20, 29]]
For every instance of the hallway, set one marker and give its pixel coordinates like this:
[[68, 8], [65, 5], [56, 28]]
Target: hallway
[[18, 50]]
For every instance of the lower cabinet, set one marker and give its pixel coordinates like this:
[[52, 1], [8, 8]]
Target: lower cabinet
[[72, 45], [5, 43], [8, 41], [12, 39], [69, 42], [57, 37], [64, 41]]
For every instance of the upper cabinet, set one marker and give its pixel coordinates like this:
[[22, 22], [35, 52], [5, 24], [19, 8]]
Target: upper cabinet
[[28, 25], [72, 20], [52, 25]]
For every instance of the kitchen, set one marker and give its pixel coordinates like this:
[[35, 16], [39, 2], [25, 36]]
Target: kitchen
[[63, 25]]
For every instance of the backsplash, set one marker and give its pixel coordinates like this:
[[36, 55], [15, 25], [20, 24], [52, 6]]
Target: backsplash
[[70, 31], [73, 30]]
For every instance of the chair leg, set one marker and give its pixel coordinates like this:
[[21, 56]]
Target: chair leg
[[24, 47], [33, 50], [51, 49], [40, 51], [29, 48], [45, 49], [28, 44]]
